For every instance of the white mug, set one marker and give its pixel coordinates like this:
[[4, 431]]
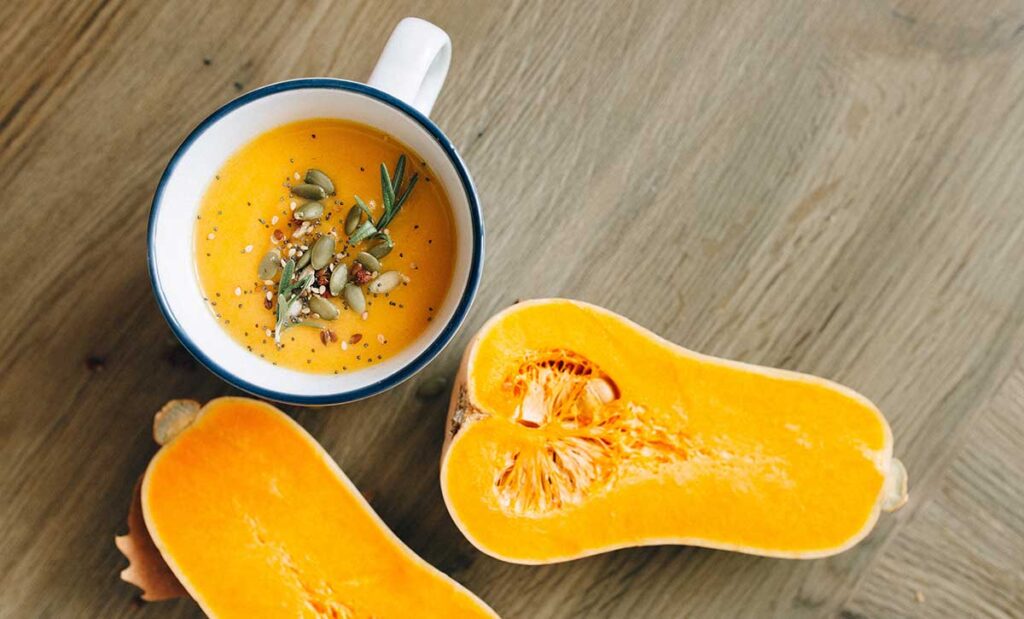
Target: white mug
[[399, 96]]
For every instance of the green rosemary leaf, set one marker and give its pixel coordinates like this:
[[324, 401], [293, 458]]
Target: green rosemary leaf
[[408, 190], [365, 209], [387, 191], [364, 231], [284, 287], [399, 173], [282, 303]]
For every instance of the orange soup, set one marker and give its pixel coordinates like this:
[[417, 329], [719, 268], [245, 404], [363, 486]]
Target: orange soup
[[324, 246]]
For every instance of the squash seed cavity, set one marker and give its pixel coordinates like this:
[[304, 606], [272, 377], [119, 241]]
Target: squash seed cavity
[[587, 435]]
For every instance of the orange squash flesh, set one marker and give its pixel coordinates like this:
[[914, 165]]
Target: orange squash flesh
[[256, 520], [573, 431]]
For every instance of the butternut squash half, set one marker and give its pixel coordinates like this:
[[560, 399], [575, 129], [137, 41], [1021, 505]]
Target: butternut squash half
[[573, 431], [255, 519]]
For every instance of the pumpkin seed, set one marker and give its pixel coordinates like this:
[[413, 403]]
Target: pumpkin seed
[[354, 297], [380, 250], [385, 282], [355, 214], [269, 265], [372, 264], [309, 211], [309, 191], [316, 177], [322, 306], [322, 251], [338, 279], [303, 260]]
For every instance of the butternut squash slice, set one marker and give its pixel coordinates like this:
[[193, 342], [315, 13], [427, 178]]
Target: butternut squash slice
[[255, 519], [573, 431]]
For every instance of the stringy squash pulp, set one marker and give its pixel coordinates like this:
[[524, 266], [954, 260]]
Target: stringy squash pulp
[[256, 520], [573, 431]]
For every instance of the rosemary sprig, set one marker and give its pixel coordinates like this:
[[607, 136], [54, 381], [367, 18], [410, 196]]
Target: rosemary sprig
[[287, 294], [284, 286], [394, 191], [393, 197]]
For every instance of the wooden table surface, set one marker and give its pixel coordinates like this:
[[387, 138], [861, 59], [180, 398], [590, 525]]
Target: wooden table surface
[[830, 187]]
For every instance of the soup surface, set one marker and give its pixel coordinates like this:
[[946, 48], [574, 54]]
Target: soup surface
[[258, 224]]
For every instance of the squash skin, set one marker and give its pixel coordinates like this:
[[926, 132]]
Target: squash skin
[[621, 516], [254, 566]]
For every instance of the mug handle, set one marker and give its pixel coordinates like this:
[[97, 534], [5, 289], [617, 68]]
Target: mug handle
[[414, 63]]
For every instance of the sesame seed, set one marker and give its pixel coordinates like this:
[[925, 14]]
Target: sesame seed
[[344, 345], [269, 333], [211, 236], [238, 292], [381, 338], [270, 296], [273, 220], [293, 205], [248, 249], [366, 315], [297, 177]]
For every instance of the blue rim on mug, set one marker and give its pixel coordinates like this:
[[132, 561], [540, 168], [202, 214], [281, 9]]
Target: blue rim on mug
[[422, 359]]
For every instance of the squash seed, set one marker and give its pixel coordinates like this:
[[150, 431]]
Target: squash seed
[[269, 265], [352, 220], [303, 260], [322, 251], [385, 282], [317, 177], [338, 279], [309, 191], [380, 250], [322, 306], [372, 264], [309, 211], [354, 297]]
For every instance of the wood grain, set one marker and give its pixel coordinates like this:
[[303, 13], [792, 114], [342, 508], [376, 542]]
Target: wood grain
[[835, 188]]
